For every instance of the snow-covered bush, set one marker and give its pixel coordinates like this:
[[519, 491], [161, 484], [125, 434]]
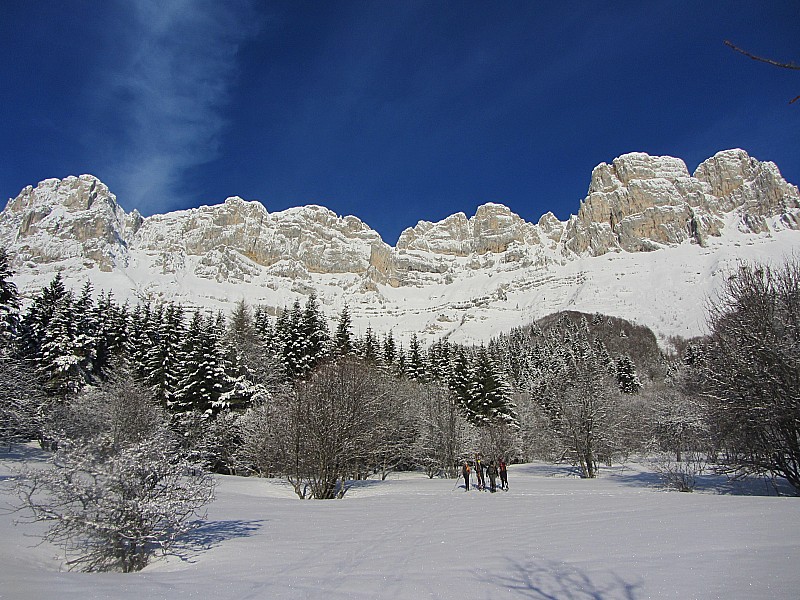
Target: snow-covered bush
[[21, 401], [681, 475], [115, 510], [119, 487]]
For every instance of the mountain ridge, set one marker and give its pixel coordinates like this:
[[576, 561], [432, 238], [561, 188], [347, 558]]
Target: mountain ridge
[[471, 268]]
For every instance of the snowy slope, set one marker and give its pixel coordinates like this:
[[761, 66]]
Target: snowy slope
[[550, 536]]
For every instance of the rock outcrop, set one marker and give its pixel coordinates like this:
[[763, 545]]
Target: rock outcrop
[[636, 203], [313, 237], [641, 202], [494, 228], [73, 217]]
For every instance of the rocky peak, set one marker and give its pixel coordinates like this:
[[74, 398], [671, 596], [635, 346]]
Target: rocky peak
[[297, 240], [641, 202], [80, 212], [756, 188], [493, 229]]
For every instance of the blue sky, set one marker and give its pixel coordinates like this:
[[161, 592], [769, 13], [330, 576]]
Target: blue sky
[[391, 110]]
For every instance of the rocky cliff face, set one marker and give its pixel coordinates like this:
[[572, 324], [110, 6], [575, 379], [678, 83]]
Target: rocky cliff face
[[73, 217], [641, 202], [494, 228], [239, 236], [634, 204]]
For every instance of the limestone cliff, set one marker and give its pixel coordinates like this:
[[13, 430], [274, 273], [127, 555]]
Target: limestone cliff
[[636, 203]]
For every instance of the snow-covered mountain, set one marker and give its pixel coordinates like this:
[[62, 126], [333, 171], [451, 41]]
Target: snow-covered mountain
[[650, 242]]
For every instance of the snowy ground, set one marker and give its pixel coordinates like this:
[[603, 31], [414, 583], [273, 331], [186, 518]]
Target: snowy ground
[[552, 535]]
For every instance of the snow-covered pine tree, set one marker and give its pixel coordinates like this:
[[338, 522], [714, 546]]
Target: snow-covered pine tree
[[289, 340], [314, 338], [9, 301], [342, 339], [490, 398], [140, 337], [251, 363], [163, 356], [414, 365], [59, 361], [201, 371], [368, 347], [389, 349], [460, 379], [627, 379], [438, 362], [36, 320], [86, 329], [112, 331]]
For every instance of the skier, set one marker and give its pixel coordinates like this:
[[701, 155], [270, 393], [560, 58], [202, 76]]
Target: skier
[[465, 474], [479, 472], [491, 471], [503, 475]]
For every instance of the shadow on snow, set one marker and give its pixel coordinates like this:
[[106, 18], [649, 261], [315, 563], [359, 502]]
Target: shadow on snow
[[550, 580], [213, 533]]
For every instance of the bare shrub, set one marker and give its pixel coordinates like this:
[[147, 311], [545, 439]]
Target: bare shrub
[[118, 489], [681, 475]]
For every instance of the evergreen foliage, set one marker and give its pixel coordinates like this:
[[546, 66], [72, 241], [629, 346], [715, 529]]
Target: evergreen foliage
[[9, 301], [627, 379], [342, 341]]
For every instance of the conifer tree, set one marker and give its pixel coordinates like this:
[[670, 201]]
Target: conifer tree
[[251, 363], [86, 329], [290, 342], [140, 337], [313, 335], [490, 394], [389, 349], [460, 379], [59, 363], [343, 343], [9, 301], [37, 318], [369, 349], [414, 366], [627, 378], [112, 331], [202, 378], [163, 356]]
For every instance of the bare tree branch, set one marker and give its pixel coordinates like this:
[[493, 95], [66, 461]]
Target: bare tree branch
[[769, 61], [775, 63]]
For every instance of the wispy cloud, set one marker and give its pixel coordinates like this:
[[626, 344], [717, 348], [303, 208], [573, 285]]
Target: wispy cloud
[[167, 93]]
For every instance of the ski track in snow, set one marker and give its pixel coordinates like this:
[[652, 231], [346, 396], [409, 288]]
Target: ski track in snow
[[550, 536]]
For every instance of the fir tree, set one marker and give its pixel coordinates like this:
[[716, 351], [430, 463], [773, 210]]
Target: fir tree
[[140, 338], [86, 329], [111, 332], [162, 359], [389, 349], [35, 322], [314, 336], [202, 378], [9, 301], [414, 366], [369, 349], [627, 379], [490, 394], [342, 341], [460, 379], [59, 363]]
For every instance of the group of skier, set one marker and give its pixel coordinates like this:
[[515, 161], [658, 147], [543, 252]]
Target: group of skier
[[492, 470]]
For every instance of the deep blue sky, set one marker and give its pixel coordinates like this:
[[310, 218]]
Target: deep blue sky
[[391, 110]]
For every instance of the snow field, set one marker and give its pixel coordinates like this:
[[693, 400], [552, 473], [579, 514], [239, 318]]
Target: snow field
[[550, 536]]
